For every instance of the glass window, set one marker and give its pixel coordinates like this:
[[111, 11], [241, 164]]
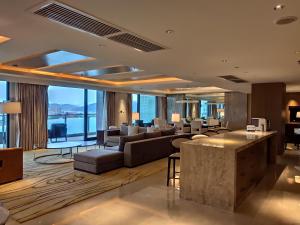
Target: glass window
[[91, 113], [134, 103], [204, 109], [3, 97], [147, 108], [66, 106]]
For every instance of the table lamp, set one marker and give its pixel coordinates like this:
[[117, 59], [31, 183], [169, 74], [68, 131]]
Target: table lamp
[[9, 108], [175, 117], [298, 115]]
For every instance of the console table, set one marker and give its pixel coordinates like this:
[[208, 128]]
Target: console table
[[221, 170]]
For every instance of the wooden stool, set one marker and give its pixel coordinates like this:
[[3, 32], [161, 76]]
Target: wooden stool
[[173, 157]]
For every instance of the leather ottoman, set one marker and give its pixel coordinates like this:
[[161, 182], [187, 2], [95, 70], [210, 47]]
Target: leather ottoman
[[98, 161]]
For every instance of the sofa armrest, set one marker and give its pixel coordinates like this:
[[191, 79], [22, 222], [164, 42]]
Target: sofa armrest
[[115, 132]]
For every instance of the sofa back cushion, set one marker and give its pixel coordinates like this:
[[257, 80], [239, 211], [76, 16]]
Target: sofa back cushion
[[123, 130], [153, 134], [132, 130], [168, 132], [124, 139], [142, 129]]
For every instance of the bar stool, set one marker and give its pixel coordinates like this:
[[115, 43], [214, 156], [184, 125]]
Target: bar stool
[[173, 157]]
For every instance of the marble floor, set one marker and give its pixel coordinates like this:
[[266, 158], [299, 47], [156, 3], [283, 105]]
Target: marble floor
[[276, 200]]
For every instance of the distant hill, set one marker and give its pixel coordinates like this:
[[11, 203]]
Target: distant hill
[[62, 108]]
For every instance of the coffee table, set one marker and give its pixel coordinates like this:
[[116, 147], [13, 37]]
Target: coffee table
[[60, 145]]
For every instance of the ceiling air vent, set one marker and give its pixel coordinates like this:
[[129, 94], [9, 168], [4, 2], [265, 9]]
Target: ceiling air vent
[[75, 19], [135, 42], [233, 79]]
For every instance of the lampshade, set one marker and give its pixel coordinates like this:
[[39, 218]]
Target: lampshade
[[175, 117], [10, 107], [298, 115], [135, 116]]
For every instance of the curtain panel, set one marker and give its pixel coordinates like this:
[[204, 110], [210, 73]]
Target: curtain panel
[[110, 106], [129, 109], [162, 107], [34, 116]]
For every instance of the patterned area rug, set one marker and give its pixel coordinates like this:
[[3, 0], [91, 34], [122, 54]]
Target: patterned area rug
[[46, 188]]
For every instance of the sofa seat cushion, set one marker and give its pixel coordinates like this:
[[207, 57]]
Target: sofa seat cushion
[[113, 139], [99, 156], [125, 139]]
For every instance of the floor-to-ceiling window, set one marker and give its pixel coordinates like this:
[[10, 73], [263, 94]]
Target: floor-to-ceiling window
[[147, 108], [81, 111], [204, 109], [3, 118], [66, 106], [145, 105]]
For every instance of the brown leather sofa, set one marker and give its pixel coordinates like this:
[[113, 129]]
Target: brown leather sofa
[[11, 164]]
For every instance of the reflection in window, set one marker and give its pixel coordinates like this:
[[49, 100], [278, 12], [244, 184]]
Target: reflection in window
[[61, 57]]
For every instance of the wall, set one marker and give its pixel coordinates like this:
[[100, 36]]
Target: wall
[[292, 99], [236, 110], [121, 109], [268, 101]]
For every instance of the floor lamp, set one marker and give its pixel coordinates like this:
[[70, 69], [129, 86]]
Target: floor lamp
[[10, 108]]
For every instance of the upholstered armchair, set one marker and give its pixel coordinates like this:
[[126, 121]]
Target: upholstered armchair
[[11, 164], [181, 128], [196, 127]]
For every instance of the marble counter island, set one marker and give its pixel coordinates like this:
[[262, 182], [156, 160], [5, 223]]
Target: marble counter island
[[221, 170]]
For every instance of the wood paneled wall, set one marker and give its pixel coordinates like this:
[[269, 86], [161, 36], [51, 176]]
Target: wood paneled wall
[[268, 101], [236, 110]]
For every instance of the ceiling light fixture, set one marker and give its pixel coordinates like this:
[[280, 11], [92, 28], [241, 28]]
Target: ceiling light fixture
[[139, 50], [4, 39], [286, 20], [169, 31], [236, 67], [279, 7], [224, 60]]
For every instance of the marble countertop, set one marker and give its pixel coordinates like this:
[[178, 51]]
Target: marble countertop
[[235, 140]]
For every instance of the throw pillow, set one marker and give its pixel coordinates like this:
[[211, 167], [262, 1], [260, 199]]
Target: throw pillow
[[150, 129], [123, 130], [133, 130], [124, 139]]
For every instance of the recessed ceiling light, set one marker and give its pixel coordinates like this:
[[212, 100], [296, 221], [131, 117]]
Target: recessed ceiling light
[[279, 7], [236, 67], [4, 39], [169, 31], [224, 60]]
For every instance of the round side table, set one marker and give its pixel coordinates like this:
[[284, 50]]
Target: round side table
[[4, 214]]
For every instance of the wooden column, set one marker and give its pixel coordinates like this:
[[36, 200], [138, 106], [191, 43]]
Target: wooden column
[[236, 110], [268, 101]]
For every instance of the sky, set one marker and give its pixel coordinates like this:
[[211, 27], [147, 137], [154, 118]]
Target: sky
[[66, 95]]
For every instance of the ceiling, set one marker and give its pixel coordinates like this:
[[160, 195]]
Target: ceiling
[[210, 39]]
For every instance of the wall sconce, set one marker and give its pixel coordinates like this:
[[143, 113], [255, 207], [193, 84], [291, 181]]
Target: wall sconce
[[122, 111]]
